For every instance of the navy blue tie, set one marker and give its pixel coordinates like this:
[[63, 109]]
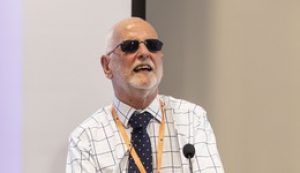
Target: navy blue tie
[[141, 141]]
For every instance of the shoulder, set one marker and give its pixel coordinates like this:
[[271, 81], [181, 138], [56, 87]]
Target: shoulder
[[97, 121], [181, 105]]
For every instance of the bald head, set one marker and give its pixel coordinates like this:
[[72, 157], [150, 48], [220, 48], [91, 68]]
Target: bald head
[[135, 75], [130, 28]]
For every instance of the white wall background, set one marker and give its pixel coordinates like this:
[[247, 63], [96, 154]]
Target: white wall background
[[63, 80]]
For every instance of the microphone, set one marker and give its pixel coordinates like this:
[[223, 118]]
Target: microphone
[[189, 152]]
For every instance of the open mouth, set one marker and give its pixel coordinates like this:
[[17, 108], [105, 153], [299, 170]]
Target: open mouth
[[142, 67]]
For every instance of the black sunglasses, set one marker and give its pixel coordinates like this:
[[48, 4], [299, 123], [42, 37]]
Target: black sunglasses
[[131, 46]]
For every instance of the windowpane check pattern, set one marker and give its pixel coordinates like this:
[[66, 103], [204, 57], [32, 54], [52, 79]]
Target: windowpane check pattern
[[96, 145]]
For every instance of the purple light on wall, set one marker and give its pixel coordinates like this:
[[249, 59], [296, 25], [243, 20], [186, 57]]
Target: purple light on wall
[[10, 86]]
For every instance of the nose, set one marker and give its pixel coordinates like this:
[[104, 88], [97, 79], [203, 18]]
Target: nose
[[143, 52]]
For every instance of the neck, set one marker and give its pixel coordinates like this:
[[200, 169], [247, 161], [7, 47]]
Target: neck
[[137, 100]]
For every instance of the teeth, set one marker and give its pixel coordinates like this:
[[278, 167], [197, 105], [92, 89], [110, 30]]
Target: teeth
[[143, 67]]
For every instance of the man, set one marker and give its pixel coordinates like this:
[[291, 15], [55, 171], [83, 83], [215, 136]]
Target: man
[[141, 131]]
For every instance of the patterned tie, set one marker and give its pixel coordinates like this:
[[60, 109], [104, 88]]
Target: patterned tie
[[141, 141]]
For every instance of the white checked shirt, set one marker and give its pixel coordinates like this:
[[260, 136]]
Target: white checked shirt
[[96, 146]]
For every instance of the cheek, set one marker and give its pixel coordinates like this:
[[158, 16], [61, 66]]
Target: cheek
[[159, 63], [160, 68], [121, 67]]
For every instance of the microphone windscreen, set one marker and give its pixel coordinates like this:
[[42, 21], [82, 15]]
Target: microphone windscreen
[[188, 150]]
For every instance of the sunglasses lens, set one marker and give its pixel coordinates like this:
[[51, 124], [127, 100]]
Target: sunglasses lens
[[130, 46], [153, 45]]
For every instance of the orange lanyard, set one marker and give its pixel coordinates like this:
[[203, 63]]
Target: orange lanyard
[[131, 149]]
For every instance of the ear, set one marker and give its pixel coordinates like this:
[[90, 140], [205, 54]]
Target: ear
[[105, 60]]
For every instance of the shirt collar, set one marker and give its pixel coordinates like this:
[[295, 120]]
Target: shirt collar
[[125, 111]]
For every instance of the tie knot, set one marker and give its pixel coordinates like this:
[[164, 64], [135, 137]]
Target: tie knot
[[140, 120]]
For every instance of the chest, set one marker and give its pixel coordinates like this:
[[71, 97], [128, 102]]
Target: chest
[[111, 152]]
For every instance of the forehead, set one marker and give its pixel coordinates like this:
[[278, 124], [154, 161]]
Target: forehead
[[134, 29]]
